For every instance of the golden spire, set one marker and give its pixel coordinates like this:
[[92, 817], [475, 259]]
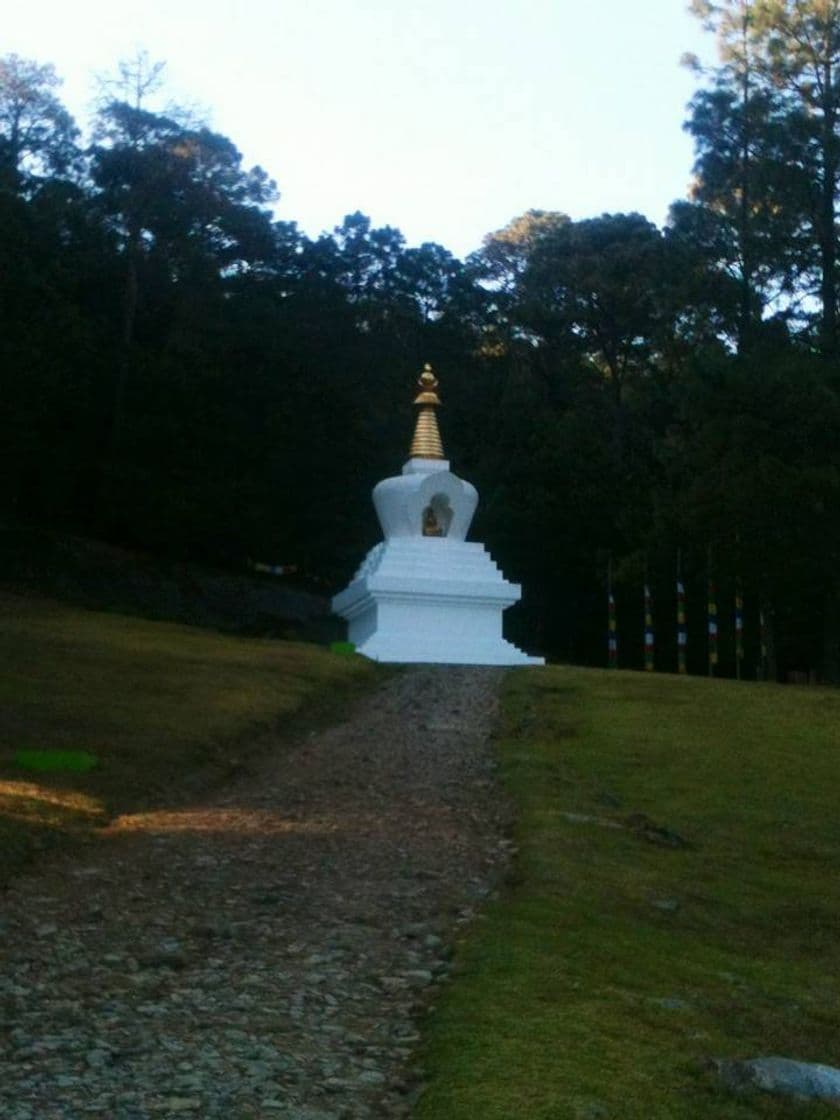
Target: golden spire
[[426, 443]]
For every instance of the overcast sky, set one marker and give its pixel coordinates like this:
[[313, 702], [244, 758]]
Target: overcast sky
[[445, 118]]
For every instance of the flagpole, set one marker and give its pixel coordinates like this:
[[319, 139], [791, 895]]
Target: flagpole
[[711, 615], [682, 632], [650, 635], [739, 627], [739, 611], [612, 622], [763, 643]]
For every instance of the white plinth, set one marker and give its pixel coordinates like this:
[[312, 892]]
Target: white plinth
[[430, 599]]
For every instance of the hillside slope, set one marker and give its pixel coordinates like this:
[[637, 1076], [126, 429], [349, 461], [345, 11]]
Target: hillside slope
[[675, 899], [160, 706]]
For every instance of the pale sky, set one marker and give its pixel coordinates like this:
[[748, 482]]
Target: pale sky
[[443, 119]]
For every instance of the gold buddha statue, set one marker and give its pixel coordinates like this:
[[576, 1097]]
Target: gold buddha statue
[[431, 525]]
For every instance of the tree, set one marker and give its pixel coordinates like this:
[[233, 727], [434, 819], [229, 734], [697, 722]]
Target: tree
[[136, 80], [37, 134], [504, 255], [768, 154], [598, 289], [802, 59], [181, 207], [387, 283], [743, 214], [500, 265], [753, 471]]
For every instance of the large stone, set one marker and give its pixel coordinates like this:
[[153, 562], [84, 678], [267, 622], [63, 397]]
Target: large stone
[[783, 1076]]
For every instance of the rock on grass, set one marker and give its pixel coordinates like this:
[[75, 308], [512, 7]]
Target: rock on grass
[[784, 1077]]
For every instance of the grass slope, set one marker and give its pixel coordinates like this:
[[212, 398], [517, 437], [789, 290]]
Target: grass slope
[[159, 704], [616, 962]]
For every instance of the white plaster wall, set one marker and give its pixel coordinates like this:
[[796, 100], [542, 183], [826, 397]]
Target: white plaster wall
[[400, 501]]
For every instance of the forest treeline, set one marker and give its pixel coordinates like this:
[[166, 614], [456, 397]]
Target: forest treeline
[[185, 374]]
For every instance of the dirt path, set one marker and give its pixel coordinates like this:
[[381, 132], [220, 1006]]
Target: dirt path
[[264, 954]]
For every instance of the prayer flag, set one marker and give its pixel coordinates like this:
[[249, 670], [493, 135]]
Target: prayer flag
[[649, 632], [682, 631], [739, 627], [712, 616], [612, 632], [762, 630]]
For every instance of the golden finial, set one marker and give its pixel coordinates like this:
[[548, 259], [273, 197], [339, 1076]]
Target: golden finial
[[427, 443], [427, 383]]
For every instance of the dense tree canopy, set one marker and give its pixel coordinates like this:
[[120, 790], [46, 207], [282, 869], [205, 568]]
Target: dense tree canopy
[[183, 373], [37, 134]]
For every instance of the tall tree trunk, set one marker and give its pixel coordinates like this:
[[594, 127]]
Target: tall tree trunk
[[827, 232], [130, 296], [746, 314]]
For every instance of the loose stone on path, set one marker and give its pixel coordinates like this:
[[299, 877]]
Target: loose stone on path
[[265, 953]]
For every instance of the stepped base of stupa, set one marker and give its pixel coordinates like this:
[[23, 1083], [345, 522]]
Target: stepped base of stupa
[[433, 600]]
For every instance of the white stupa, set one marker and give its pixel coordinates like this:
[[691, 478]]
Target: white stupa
[[425, 593]]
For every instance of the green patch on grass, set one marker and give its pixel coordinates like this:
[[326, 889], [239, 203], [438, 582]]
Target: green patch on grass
[[615, 962], [80, 761], [157, 704], [342, 648]]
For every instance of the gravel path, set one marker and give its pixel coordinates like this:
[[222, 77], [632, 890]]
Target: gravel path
[[266, 953]]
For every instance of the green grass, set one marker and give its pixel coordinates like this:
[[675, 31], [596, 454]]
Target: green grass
[[158, 705], [612, 967], [45, 760]]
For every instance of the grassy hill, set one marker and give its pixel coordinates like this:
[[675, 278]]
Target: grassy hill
[[160, 706], [675, 899]]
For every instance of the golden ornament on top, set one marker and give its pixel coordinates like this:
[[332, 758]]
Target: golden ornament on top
[[427, 442]]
